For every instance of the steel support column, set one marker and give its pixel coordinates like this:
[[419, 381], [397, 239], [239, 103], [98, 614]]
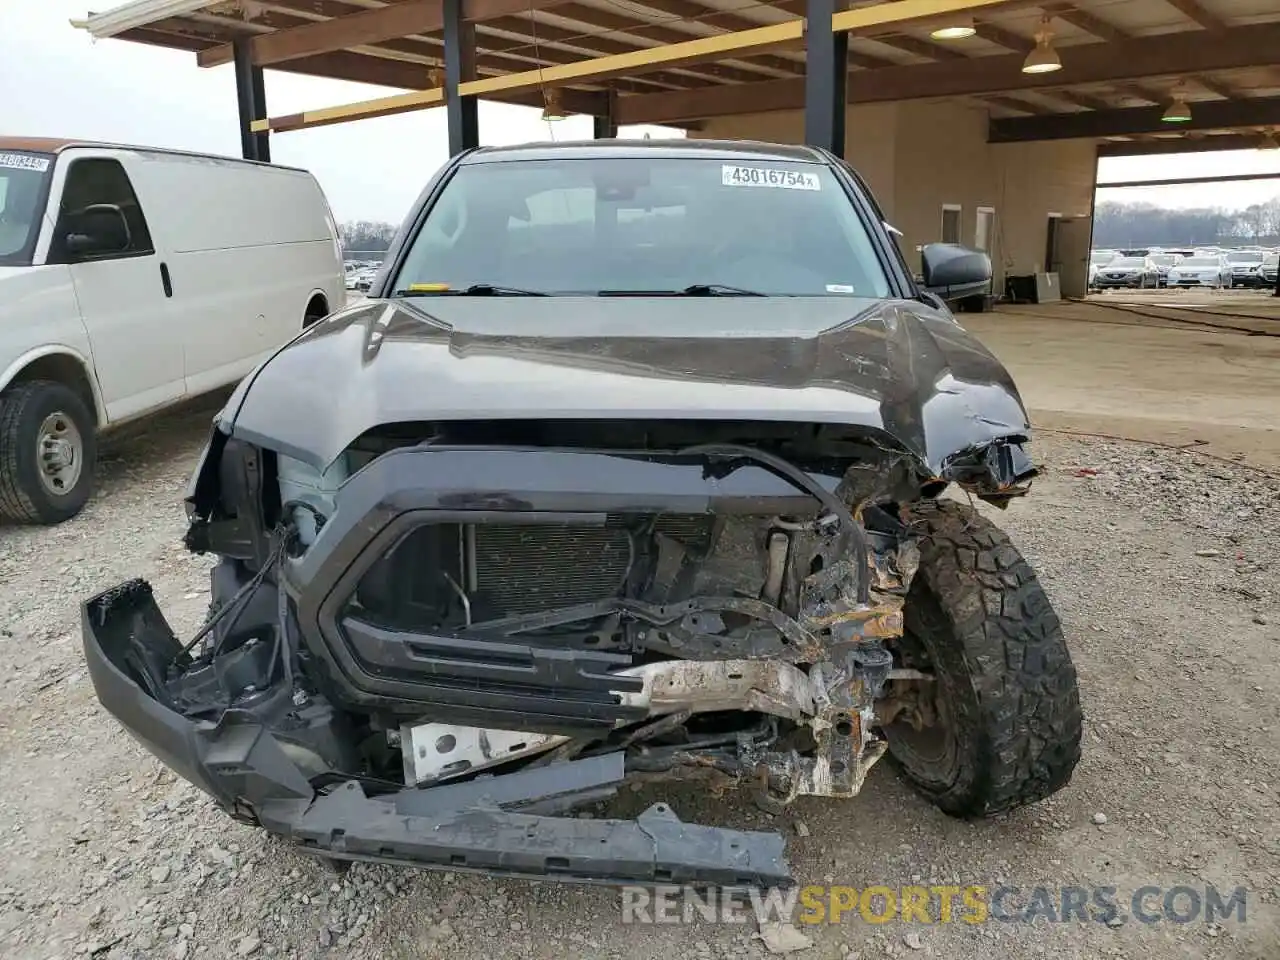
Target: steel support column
[[251, 98], [826, 59], [606, 127], [460, 67]]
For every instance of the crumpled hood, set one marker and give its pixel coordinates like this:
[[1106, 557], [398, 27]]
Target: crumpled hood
[[897, 367]]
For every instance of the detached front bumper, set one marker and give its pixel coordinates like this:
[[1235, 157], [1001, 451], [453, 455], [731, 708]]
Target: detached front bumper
[[497, 825]]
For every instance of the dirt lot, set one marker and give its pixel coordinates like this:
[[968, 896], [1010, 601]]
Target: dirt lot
[[1163, 564]]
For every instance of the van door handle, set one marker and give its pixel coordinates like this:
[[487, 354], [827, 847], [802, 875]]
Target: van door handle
[[165, 281]]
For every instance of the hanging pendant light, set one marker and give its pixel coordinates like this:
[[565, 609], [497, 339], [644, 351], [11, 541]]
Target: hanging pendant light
[[552, 108], [435, 77], [958, 28], [1179, 111], [1043, 59]]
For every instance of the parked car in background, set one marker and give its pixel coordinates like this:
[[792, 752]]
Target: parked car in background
[[1164, 262], [1270, 266], [131, 278], [1097, 260], [1137, 272], [1245, 266], [1201, 271]]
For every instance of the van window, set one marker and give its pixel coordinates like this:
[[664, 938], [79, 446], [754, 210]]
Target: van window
[[93, 182], [24, 182]]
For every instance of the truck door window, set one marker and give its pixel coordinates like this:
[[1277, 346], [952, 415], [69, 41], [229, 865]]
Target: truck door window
[[95, 187]]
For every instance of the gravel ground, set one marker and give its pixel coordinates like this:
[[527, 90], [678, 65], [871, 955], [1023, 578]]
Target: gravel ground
[[1163, 565]]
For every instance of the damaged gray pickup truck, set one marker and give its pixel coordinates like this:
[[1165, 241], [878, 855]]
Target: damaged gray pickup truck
[[628, 469]]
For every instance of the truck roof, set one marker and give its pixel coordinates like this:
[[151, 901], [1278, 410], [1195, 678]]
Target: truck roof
[[730, 150]]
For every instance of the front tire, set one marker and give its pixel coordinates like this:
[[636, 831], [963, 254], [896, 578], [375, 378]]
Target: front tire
[[48, 453], [1007, 724]]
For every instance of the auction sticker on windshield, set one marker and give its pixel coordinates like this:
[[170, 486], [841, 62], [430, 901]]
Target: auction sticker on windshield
[[22, 161], [736, 176]]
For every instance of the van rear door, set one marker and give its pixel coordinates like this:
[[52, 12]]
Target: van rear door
[[122, 285]]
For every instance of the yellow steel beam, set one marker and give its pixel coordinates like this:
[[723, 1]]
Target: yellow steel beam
[[381, 107], [902, 11]]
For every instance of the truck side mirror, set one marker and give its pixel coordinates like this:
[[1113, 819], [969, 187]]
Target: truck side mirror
[[953, 271], [97, 230]]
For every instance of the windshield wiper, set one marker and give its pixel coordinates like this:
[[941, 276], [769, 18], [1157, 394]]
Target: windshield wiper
[[475, 290], [693, 290], [717, 290]]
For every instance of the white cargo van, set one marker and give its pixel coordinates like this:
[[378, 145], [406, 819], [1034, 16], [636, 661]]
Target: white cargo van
[[131, 278]]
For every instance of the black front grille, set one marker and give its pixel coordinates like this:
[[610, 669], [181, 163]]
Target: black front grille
[[524, 568], [440, 575]]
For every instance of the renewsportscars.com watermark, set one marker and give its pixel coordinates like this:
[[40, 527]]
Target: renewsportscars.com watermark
[[970, 904]]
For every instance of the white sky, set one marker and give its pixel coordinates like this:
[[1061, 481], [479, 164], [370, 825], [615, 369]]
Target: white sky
[[56, 81], [1223, 163]]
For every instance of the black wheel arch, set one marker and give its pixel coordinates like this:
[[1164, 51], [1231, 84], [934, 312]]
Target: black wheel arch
[[66, 369]]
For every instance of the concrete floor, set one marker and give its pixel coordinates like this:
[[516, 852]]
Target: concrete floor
[[1159, 367]]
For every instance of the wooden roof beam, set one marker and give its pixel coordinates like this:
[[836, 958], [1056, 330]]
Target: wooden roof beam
[[1141, 91], [1016, 103], [1193, 11], [1080, 99], [1217, 87], [1087, 22], [1004, 38], [425, 53], [921, 48], [364, 28], [422, 54], [627, 27], [1138, 148], [1215, 115], [1167, 55]]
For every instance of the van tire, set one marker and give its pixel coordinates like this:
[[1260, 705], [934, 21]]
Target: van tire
[[25, 408]]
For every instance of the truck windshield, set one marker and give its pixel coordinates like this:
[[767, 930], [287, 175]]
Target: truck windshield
[[23, 180], [651, 226]]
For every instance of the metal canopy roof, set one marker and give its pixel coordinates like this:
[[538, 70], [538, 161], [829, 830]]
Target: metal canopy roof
[[616, 56]]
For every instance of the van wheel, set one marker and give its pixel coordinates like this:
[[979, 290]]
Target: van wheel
[[48, 452]]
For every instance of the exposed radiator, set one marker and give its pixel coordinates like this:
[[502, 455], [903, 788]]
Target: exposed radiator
[[525, 568]]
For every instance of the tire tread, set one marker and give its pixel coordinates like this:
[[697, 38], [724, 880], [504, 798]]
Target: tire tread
[[16, 502], [1009, 642]]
